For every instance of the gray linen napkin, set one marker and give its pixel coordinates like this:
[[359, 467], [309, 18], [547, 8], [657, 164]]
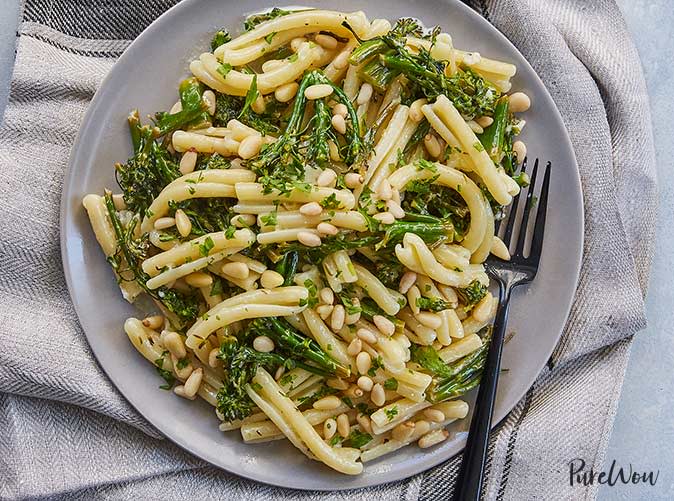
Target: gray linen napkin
[[65, 430]]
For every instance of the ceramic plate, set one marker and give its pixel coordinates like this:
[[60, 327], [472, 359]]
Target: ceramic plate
[[146, 76]]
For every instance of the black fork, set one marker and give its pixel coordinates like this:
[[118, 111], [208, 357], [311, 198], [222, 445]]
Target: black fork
[[508, 274]]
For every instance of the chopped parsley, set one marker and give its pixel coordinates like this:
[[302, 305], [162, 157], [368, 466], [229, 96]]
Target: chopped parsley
[[206, 247]]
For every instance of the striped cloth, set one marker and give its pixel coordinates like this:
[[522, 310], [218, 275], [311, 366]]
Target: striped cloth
[[66, 432]]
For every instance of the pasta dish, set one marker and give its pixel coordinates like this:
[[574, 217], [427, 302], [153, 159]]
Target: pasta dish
[[309, 222]]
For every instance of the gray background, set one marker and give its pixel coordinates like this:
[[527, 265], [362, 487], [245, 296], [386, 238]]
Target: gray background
[[643, 435]]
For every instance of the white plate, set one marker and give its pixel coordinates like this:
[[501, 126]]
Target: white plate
[[146, 76]]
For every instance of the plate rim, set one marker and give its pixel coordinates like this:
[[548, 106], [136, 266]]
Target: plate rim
[[433, 460]]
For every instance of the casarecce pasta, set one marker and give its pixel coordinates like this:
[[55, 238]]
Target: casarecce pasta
[[311, 219]]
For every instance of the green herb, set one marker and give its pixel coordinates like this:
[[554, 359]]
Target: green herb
[[221, 37], [256, 19], [251, 96], [165, 374], [206, 247], [330, 202], [391, 413], [357, 439], [182, 363], [224, 69], [391, 384], [270, 37]]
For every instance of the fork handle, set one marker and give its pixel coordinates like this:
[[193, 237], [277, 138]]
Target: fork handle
[[469, 481]]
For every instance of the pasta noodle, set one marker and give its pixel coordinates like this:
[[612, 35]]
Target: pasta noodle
[[311, 220]]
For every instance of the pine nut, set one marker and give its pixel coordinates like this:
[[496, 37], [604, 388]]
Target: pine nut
[[475, 127], [342, 60], [384, 190], [432, 145], [327, 229], [341, 110], [199, 279], [243, 220], [326, 295], [236, 270], [317, 91], [386, 327], [367, 335], [174, 343], [365, 383], [337, 383], [309, 239], [263, 344], [183, 223], [354, 347], [326, 41], [193, 382], [327, 178], [259, 106], [333, 149], [329, 428], [338, 123], [176, 108], [482, 310], [385, 218], [395, 209], [154, 322], [484, 121], [412, 296], [429, 319], [520, 150], [433, 438], [327, 403], [353, 180], [519, 102], [422, 426], [208, 97], [403, 431], [164, 222], [378, 395], [364, 422], [272, 64], [343, 426], [180, 391], [286, 92], [337, 318], [499, 249], [188, 161], [363, 362], [279, 372], [213, 360], [296, 42], [406, 281], [364, 94], [434, 415], [324, 311], [235, 163], [415, 113], [311, 209], [250, 146], [271, 279]]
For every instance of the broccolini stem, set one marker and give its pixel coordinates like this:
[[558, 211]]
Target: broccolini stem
[[287, 337], [493, 136], [288, 267]]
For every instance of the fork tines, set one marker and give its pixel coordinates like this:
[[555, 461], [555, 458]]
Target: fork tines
[[522, 218]]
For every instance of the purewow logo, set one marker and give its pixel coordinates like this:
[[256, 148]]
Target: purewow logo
[[579, 476]]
